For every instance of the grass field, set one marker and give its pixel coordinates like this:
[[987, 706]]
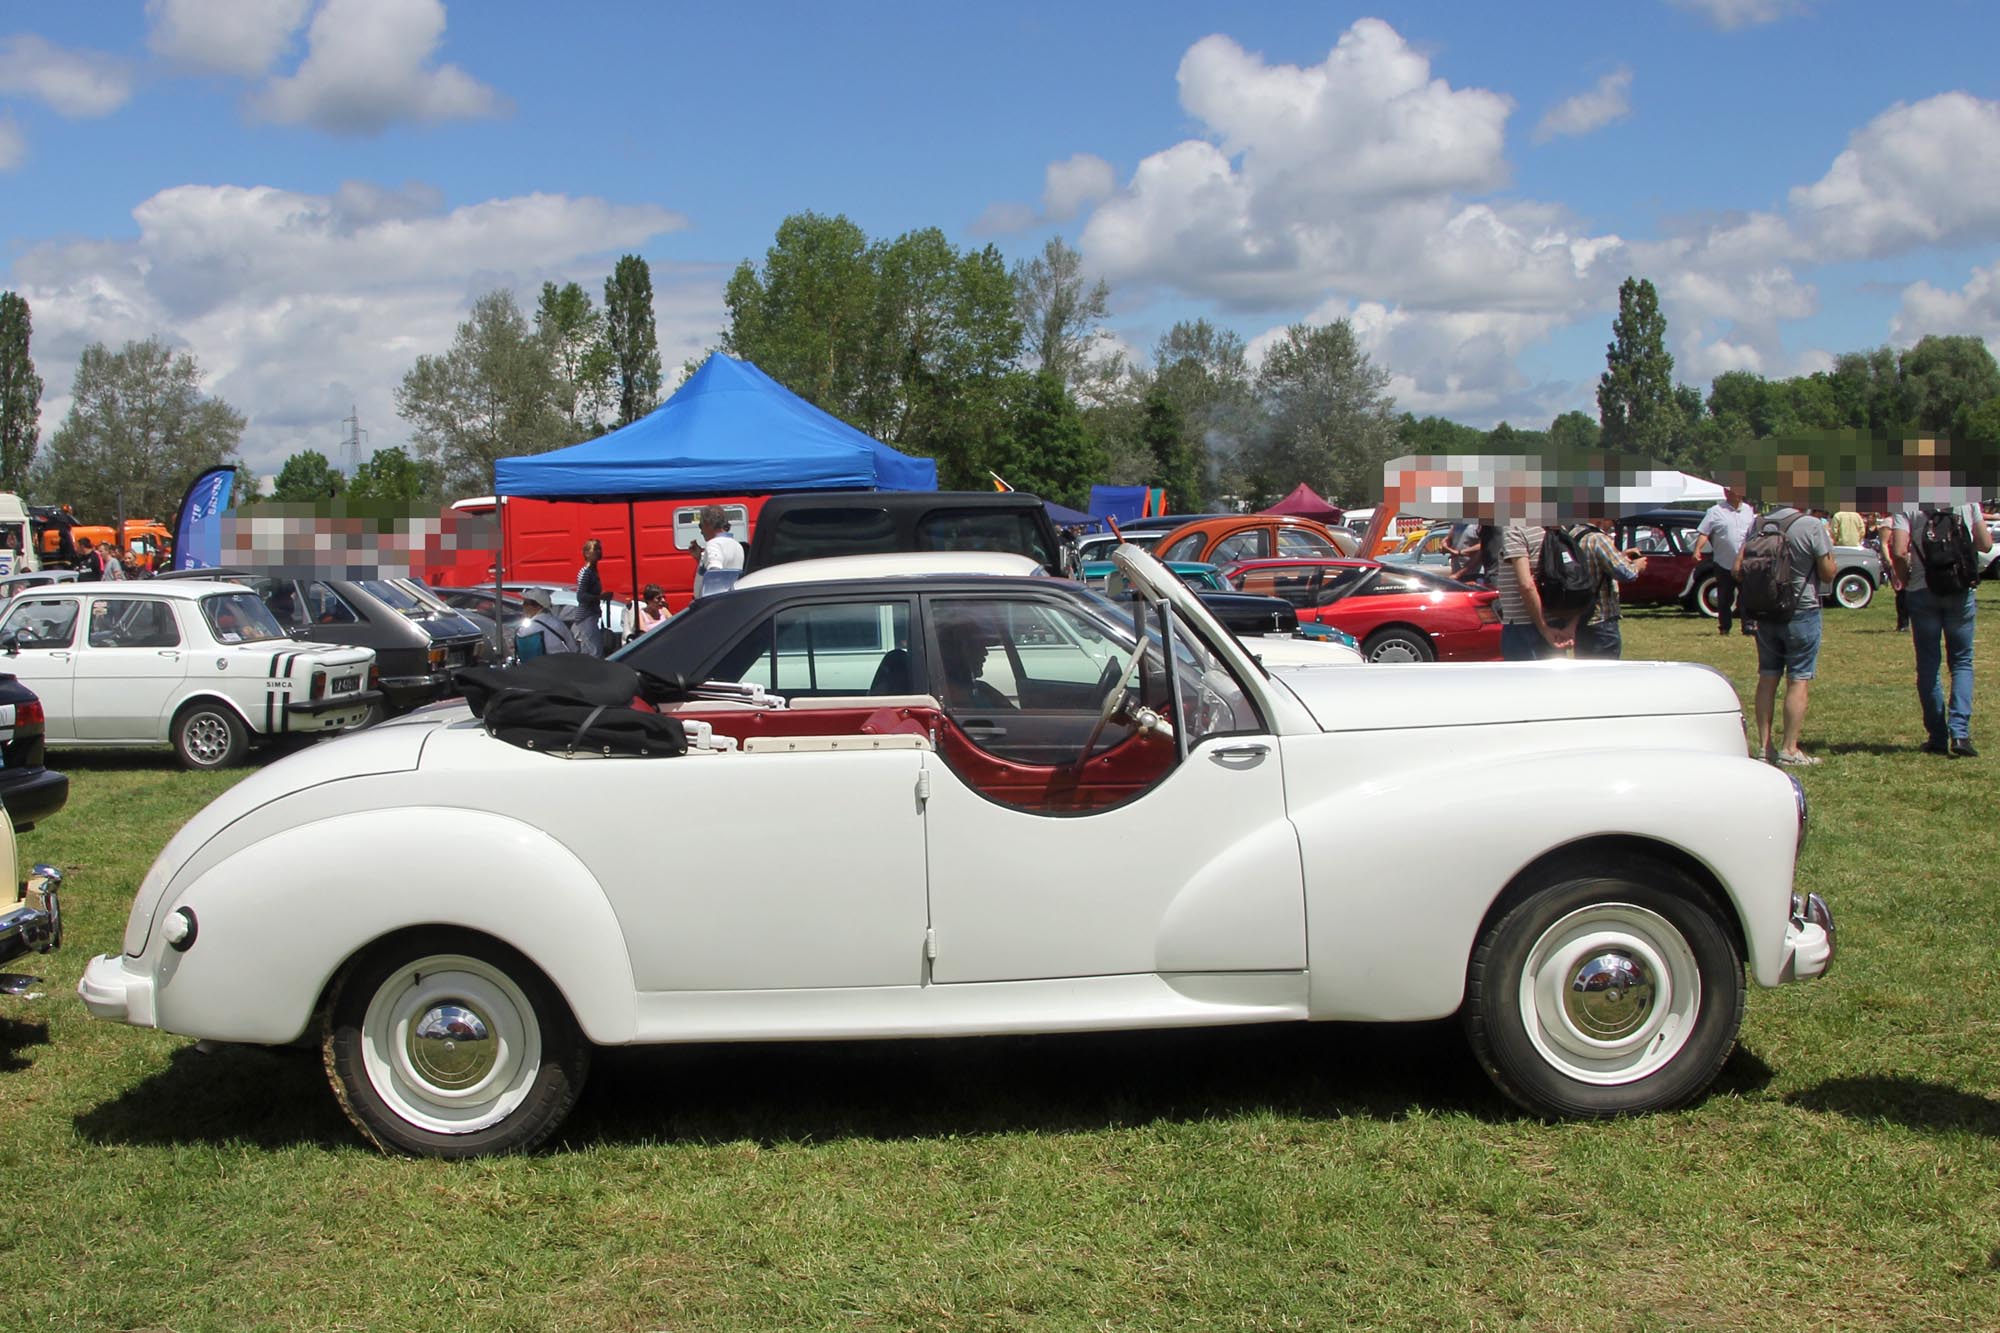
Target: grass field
[[1844, 1174]]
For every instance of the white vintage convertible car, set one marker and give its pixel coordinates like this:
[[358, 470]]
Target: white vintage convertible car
[[963, 803], [196, 664]]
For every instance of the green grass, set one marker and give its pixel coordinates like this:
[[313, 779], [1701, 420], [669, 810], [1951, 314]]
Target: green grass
[[1845, 1173]]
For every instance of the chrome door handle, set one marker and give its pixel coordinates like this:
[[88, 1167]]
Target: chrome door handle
[[172, 653], [1246, 750]]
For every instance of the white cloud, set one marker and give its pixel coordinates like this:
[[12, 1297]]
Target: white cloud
[[1973, 308], [1075, 184], [1610, 100], [1730, 15], [13, 144], [368, 67], [79, 84], [1005, 219], [1924, 173], [240, 37], [299, 306]]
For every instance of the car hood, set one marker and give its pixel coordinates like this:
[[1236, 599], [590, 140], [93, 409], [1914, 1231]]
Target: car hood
[[392, 747], [1432, 694]]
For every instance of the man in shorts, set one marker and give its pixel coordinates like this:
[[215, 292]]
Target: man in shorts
[[1788, 650]]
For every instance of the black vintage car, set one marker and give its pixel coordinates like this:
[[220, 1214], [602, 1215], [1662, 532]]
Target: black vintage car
[[814, 524], [417, 645], [29, 791]]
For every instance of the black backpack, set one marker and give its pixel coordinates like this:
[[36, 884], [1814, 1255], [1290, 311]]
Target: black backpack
[[1765, 589], [1950, 563], [1563, 574]]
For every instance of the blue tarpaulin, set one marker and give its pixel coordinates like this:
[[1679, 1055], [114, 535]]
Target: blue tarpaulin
[[730, 430], [1064, 517], [1123, 503]]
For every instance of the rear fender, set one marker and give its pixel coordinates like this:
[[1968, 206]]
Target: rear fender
[[276, 920]]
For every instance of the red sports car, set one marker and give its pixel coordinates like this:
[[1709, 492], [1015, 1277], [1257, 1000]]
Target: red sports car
[[1397, 614]]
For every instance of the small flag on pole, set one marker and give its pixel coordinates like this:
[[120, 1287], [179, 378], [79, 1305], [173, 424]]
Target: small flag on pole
[[998, 484]]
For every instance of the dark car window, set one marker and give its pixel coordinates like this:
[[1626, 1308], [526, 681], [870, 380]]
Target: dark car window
[[1187, 548], [829, 648], [239, 617], [324, 606], [984, 530], [1392, 581], [1294, 585], [42, 624], [1304, 541], [1338, 582], [1251, 544], [811, 534], [133, 622]]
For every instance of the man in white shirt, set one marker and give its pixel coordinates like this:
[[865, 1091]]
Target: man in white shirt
[[717, 551], [1721, 534]]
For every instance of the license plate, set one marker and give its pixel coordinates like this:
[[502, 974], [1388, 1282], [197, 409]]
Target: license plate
[[347, 685]]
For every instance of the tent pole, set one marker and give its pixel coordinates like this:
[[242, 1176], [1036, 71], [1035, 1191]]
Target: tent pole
[[632, 546]]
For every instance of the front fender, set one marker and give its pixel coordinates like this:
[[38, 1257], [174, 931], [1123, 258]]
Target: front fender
[[1395, 908], [278, 918]]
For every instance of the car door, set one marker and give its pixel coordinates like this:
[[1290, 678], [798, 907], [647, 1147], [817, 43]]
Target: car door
[[128, 668], [43, 631], [1197, 872]]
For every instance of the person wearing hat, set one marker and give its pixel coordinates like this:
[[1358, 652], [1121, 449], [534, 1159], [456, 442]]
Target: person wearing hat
[[542, 631]]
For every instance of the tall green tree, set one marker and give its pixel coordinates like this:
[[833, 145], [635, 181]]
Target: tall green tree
[[1179, 465], [139, 429], [391, 476], [1945, 379], [490, 396], [1331, 420], [1203, 371], [805, 317], [1044, 447], [630, 338], [20, 394], [307, 476], [1868, 391], [247, 489], [1062, 315], [1574, 432], [580, 359], [1435, 435], [1636, 406]]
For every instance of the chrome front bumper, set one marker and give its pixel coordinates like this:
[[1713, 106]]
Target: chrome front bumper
[[1809, 938], [34, 923]]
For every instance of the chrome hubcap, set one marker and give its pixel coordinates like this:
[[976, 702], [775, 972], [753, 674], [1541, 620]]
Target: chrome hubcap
[[452, 1046], [1396, 650], [207, 737], [1610, 996], [1610, 993]]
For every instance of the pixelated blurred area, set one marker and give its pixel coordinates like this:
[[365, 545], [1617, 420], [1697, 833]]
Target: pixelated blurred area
[[1830, 471], [354, 541]]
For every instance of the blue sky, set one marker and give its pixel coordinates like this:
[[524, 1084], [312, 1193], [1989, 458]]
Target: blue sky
[[309, 193]]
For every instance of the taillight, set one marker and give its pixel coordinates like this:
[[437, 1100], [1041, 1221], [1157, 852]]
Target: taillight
[[29, 715], [319, 685], [1488, 614]]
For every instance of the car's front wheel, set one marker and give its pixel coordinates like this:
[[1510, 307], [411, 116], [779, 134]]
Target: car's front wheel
[[1853, 590], [210, 735], [448, 1044], [1606, 995]]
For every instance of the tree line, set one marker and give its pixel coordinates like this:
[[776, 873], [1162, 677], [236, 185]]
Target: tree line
[[950, 354]]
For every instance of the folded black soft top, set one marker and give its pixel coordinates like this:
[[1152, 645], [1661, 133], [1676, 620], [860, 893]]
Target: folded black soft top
[[567, 703]]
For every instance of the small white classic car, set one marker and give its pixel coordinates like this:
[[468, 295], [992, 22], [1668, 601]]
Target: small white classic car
[[195, 664], [964, 803]]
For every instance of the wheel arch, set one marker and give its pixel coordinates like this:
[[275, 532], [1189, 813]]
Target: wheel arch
[[280, 919], [1403, 626], [203, 694]]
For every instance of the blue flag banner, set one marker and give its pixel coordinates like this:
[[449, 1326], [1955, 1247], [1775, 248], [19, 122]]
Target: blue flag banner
[[198, 525]]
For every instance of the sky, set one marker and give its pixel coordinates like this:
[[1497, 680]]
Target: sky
[[309, 194]]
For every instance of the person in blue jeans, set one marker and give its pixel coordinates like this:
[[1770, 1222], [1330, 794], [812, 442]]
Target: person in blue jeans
[[1938, 618]]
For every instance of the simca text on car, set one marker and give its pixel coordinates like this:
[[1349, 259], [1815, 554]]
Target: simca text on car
[[953, 802]]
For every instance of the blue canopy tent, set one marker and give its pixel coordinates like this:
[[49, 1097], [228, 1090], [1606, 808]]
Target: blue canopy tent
[[1064, 517], [730, 430]]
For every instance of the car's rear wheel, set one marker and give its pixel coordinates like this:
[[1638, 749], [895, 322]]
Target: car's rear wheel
[[448, 1044], [1606, 995], [1708, 597], [209, 735], [1853, 590], [1398, 645]]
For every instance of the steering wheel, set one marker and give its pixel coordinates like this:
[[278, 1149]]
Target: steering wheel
[[1112, 682]]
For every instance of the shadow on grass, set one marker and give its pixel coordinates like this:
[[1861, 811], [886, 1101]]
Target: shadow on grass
[[1915, 1102], [150, 759], [267, 1097], [1871, 747], [17, 1036]]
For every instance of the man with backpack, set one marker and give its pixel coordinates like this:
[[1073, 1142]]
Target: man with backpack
[[1935, 550], [1778, 575], [1528, 628], [1597, 632]]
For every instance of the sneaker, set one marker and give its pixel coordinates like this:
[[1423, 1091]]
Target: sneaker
[[1797, 759], [1935, 747], [1963, 748]]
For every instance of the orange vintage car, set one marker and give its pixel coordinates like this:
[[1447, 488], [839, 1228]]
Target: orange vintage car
[[1252, 537]]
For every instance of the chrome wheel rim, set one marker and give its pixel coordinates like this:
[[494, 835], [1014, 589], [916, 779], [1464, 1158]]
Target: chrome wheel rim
[[451, 1044], [1851, 591], [206, 737], [1395, 650], [1610, 994]]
